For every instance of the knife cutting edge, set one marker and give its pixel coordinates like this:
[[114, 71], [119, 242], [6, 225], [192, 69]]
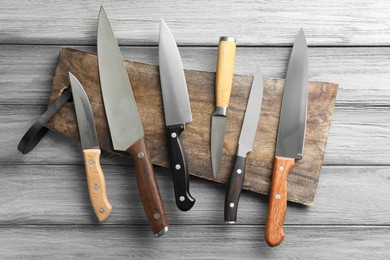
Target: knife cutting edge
[[245, 145], [91, 151], [223, 88], [124, 123], [290, 139], [177, 111]]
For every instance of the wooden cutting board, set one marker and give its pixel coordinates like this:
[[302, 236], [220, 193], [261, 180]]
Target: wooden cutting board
[[302, 181]]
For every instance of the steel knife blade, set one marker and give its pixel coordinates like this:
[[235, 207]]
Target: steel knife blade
[[223, 88], [290, 139], [245, 145], [91, 151], [177, 112], [124, 122]]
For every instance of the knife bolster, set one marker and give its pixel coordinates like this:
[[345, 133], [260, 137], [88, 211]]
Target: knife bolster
[[220, 111]]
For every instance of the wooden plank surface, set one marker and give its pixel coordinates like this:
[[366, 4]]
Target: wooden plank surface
[[145, 83], [261, 23], [57, 194], [132, 242], [363, 73], [45, 213]]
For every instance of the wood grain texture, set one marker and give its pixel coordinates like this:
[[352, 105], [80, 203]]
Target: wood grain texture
[[148, 189], [58, 194], [145, 83], [240, 242], [224, 72], [363, 73], [265, 23], [96, 184], [277, 207]]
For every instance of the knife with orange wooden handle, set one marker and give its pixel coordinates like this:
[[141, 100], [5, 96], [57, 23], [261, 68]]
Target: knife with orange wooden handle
[[127, 133], [91, 151], [290, 139]]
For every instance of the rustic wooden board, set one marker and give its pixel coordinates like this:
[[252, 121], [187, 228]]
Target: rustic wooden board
[[302, 180]]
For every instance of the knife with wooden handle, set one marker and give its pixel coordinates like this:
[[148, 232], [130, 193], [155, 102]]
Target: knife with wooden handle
[[91, 151], [125, 126], [177, 112], [290, 139], [245, 145], [223, 88]]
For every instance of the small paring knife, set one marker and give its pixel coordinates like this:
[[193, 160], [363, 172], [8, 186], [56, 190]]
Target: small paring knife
[[290, 139], [223, 88], [245, 145], [125, 126], [91, 151], [177, 111]]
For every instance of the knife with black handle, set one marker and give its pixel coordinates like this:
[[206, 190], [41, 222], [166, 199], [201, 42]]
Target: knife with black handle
[[290, 139], [124, 123], [245, 145], [177, 112], [91, 151]]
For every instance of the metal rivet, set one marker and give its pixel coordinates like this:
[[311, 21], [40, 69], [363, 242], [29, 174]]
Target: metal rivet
[[182, 198], [141, 155], [173, 135], [278, 196], [239, 171], [156, 215], [177, 167], [231, 205], [281, 168], [101, 210], [90, 162], [96, 186]]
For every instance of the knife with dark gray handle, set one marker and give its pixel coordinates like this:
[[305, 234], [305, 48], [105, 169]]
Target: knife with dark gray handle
[[177, 112], [91, 151], [245, 145], [290, 139], [124, 123]]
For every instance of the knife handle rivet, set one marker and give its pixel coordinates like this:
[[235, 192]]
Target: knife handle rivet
[[173, 135], [231, 205], [101, 210], [90, 162], [95, 186], [181, 198], [177, 167], [278, 196], [281, 168], [141, 155], [239, 171], [156, 215]]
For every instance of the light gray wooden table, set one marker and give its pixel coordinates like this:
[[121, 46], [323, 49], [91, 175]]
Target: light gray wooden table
[[45, 210]]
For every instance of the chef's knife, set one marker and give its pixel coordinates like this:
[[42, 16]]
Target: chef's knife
[[291, 133], [124, 123], [245, 145], [91, 151], [177, 111], [223, 88]]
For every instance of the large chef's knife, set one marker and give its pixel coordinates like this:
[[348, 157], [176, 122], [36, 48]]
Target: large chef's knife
[[177, 111], [124, 123], [291, 135], [245, 145], [223, 88], [91, 151]]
